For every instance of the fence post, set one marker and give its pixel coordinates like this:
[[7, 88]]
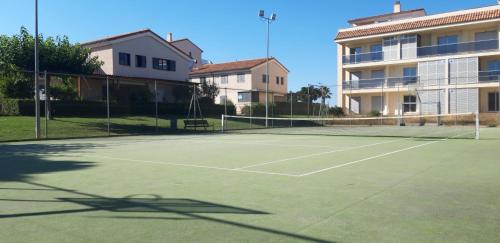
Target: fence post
[[156, 107], [497, 97], [291, 109], [225, 101], [107, 104], [47, 100]]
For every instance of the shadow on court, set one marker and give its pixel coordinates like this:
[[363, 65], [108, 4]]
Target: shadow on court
[[186, 209], [20, 162]]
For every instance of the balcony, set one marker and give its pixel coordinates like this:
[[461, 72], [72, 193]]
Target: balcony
[[420, 52], [489, 77], [379, 83], [405, 82]]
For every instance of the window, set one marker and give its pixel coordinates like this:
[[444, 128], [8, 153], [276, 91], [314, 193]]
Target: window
[[164, 64], [376, 52], [378, 77], [203, 80], [447, 44], [240, 78], [124, 58], [264, 78], [244, 97], [409, 103], [223, 99], [248, 96], [390, 47], [282, 81], [223, 79], [493, 102], [493, 72], [277, 80], [486, 40], [355, 54], [140, 61], [409, 75], [378, 103]]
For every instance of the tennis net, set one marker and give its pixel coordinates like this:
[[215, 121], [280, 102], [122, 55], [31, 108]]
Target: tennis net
[[464, 125]]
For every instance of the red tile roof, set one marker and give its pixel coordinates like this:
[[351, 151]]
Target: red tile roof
[[120, 36], [229, 66], [418, 24]]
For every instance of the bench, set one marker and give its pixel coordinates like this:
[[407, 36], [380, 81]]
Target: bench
[[194, 123]]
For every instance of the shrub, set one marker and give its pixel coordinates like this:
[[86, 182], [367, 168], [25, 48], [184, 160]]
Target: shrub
[[9, 107], [16, 86], [62, 91], [375, 113], [255, 110], [337, 111]]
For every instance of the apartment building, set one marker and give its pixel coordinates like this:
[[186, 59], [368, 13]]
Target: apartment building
[[244, 82], [138, 60], [408, 62]]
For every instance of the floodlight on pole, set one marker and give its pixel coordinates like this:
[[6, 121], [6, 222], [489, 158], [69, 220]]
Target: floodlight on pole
[[268, 21]]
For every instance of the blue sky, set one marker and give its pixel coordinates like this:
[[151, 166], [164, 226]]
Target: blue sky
[[227, 30]]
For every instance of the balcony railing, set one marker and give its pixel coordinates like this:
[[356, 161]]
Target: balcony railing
[[424, 51], [404, 82], [489, 76]]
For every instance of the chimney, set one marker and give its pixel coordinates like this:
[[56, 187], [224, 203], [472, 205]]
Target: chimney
[[170, 37], [397, 7]]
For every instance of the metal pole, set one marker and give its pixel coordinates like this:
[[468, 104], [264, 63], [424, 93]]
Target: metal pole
[[267, 73], [156, 106], [47, 98], [225, 101], [291, 109], [222, 123], [107, 105], [37, 91], [308, 100]]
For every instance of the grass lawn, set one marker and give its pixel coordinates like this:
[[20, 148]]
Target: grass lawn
[[14, 128], [251, 188]]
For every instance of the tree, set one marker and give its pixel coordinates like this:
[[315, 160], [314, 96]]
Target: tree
[[208, 92], [312, 93], [56, 55]]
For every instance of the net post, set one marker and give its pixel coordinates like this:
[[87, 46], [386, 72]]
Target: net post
[[476, 114], [222, 123]]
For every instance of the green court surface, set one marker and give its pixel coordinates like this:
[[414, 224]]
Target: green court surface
[[251, 188]]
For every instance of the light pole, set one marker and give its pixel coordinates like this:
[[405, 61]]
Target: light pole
[[268, 20], [37, 91]]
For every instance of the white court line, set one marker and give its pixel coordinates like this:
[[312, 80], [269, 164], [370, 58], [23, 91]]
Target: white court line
[[317, 154], [189, 165], [369, 158]]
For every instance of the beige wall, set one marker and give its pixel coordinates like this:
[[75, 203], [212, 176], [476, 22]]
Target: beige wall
[[253, 81], [274, 70], [149, 47], [105, 54], [187, 47]]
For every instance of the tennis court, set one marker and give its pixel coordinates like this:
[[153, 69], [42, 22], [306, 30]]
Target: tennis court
[[252, 186]]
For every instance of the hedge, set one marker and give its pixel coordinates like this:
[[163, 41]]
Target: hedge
[[94, 108]]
